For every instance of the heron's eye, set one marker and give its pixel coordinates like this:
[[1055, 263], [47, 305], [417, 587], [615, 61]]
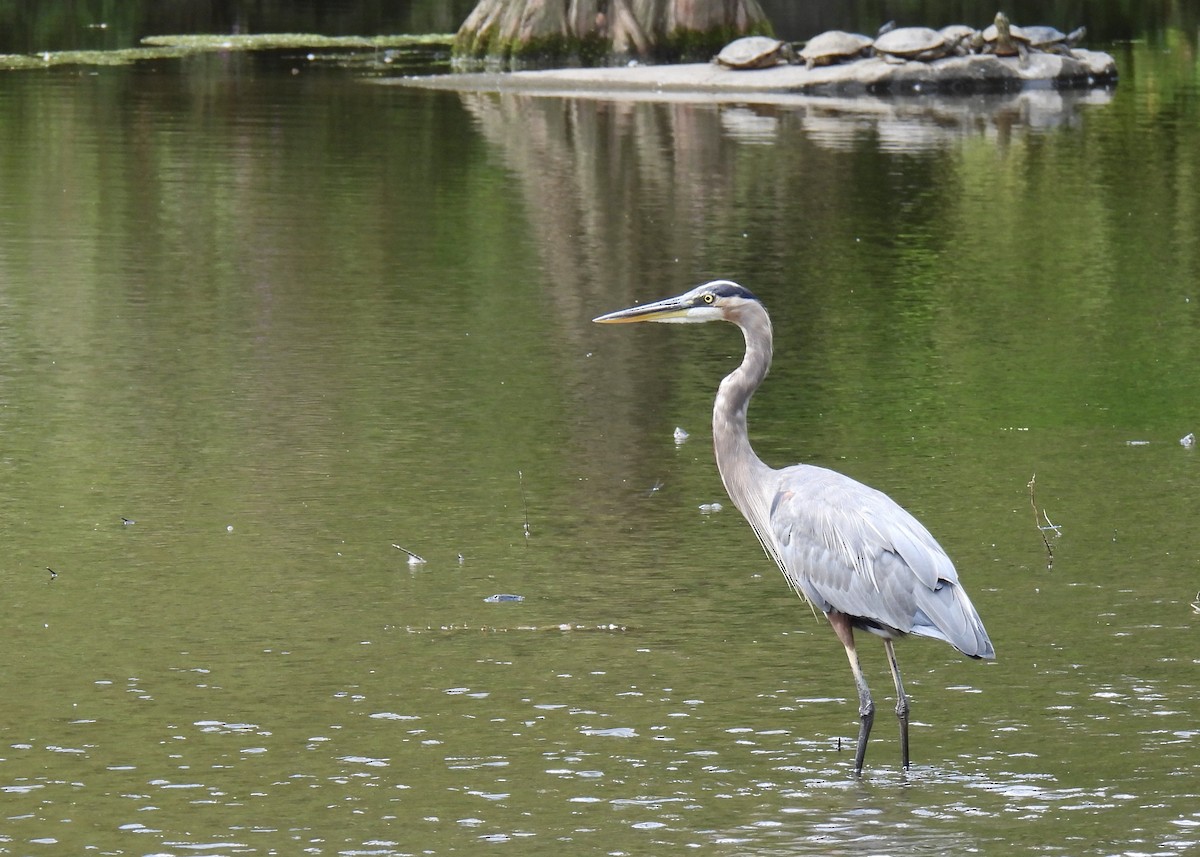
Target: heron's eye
[[709, 298]]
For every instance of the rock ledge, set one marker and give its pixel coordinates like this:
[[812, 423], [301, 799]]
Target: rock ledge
[[952, 75]]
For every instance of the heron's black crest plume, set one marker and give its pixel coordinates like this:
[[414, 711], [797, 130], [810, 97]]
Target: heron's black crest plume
[[729, 289]]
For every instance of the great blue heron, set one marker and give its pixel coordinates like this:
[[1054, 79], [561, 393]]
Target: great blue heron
[[848, 549]]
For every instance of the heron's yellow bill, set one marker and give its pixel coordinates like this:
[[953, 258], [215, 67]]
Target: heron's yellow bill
[[670, 309]]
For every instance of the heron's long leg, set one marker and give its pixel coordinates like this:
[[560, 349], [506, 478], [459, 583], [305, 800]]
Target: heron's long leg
[[866, 708], [901, 701]]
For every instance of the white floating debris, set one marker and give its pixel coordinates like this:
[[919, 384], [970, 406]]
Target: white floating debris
[[614, 732], [1137, 443], [710, 508], [1188, 440], [680, 436], [365, 760]]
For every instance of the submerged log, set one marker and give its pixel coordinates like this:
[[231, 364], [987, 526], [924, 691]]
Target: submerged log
[[603, 32]]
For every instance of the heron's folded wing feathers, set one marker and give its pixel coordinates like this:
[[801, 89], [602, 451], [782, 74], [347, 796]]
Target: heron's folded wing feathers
[[850, 548]]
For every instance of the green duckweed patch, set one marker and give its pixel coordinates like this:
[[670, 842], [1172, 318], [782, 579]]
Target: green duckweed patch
[[175, 47], [50, 59], [292, 41]]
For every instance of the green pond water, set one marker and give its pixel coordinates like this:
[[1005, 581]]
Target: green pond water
[[263, 319]]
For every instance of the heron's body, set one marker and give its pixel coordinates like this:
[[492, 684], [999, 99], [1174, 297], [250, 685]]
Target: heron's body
[[850, 550]]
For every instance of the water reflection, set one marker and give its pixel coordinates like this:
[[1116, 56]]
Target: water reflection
[[947, 187], [516, 742], [913, 125], [894, 124], [366, 333]]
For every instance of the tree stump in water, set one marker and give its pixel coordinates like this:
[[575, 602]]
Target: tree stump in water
[[604, 32]]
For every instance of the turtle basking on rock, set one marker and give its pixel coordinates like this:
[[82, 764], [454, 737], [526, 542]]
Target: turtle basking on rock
[[915, 43], [960, 34], [1003, 39], [1052, 41], [835, 46], [754, 52]]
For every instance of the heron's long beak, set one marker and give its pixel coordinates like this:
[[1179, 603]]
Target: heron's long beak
[[670, 309]]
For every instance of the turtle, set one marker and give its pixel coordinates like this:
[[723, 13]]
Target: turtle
[[835, 46], [1003, 39], [1049, 40], [960, 34], [754, 52], [914, 43]]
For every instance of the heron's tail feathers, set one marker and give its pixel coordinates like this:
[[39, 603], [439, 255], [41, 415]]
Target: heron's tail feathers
[[947, 614]]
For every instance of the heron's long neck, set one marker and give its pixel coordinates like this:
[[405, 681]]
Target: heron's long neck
[[743, 472]]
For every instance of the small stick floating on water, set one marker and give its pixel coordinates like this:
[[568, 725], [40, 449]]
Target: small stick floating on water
[[413, 559], [1037, 522], [524, 505]]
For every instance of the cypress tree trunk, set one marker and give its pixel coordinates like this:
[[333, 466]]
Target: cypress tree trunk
[[599, 32]]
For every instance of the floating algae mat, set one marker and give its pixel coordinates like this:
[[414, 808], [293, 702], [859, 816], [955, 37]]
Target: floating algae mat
[[93, 58], [295, 41], [173, 47]]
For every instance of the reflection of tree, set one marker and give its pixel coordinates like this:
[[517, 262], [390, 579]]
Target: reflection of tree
[[866, 224], [617, 190], [595, 176], [621, 196]]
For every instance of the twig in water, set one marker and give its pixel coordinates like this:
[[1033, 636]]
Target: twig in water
[[524, 505], [413, 559], [1037, 522]]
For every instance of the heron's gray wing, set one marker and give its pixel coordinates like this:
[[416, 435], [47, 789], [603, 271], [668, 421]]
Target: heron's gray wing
[[850, 548]]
